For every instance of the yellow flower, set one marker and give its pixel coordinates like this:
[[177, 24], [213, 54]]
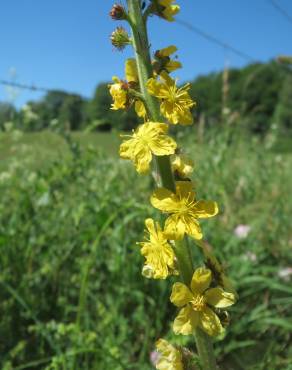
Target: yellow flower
[[196, 301], [162, 61], [168, 9], [182, 166], [120, 90], [175, 102], [160, 258], [119, 94], [170, 357], [148, 139], [184, 210]]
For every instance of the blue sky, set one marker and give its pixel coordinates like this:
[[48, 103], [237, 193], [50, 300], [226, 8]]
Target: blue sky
[[64, 44]]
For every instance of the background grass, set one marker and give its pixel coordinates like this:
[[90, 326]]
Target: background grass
[[72, 295]]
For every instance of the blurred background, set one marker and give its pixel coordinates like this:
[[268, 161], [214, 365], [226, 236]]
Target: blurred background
[[72, 295]]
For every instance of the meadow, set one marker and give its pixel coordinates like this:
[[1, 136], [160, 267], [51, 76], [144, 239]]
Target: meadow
[[72, 295]]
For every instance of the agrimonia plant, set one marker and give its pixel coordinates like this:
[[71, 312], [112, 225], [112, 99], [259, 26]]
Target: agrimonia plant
[[203, 292]]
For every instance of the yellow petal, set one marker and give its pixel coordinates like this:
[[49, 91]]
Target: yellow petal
[[184, 189], [153, 87], [164, 200], [185, 117], [166, 52], [126, 149], [165, 3], [140, 108], [163, 145], [167, 79], [192, 227], [186, 321], [173, 65], [180, 295], [170, 11], [206, 209], [175, 227], [210, 322], [149, 223], [201, 280], [131, 71], [217, 297], [152, 129], [142, 159], [116, 79]]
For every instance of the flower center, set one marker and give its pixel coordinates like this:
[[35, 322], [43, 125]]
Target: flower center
[[198, 303], [185, 204], [172, 94]]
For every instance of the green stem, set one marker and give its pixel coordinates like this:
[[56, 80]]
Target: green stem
[[205, 350], [141, 46], [184, 261], [144, 66]]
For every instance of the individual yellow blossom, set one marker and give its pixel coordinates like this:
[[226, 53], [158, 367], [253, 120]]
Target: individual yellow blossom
[[175, 102], [170, 358], [168, 10], [162, 61], [184, 210], [120, 90], [119, 93], [148, 139], [159, 255], [196, 302], [182, 166]]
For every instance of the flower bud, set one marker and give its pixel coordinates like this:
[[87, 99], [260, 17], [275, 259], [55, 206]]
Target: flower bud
[[118, 12], [120, 38]]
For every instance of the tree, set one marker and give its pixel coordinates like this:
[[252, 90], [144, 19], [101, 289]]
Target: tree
[[283, 113], [7, 113], [260, 96], [71, 112]]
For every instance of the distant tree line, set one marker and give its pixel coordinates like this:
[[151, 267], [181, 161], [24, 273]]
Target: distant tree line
[[257, 95]]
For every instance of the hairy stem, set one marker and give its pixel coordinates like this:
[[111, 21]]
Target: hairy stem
[[141, 46], [142, 54]]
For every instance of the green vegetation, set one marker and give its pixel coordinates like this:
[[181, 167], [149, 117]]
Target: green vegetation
[[39, 149], [71, 292]]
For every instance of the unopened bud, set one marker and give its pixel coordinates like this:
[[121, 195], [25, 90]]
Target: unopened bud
[[120, 38], [189, 360], [118, 12]]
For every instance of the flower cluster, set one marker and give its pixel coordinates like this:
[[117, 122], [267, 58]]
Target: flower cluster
[[203, 300]]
